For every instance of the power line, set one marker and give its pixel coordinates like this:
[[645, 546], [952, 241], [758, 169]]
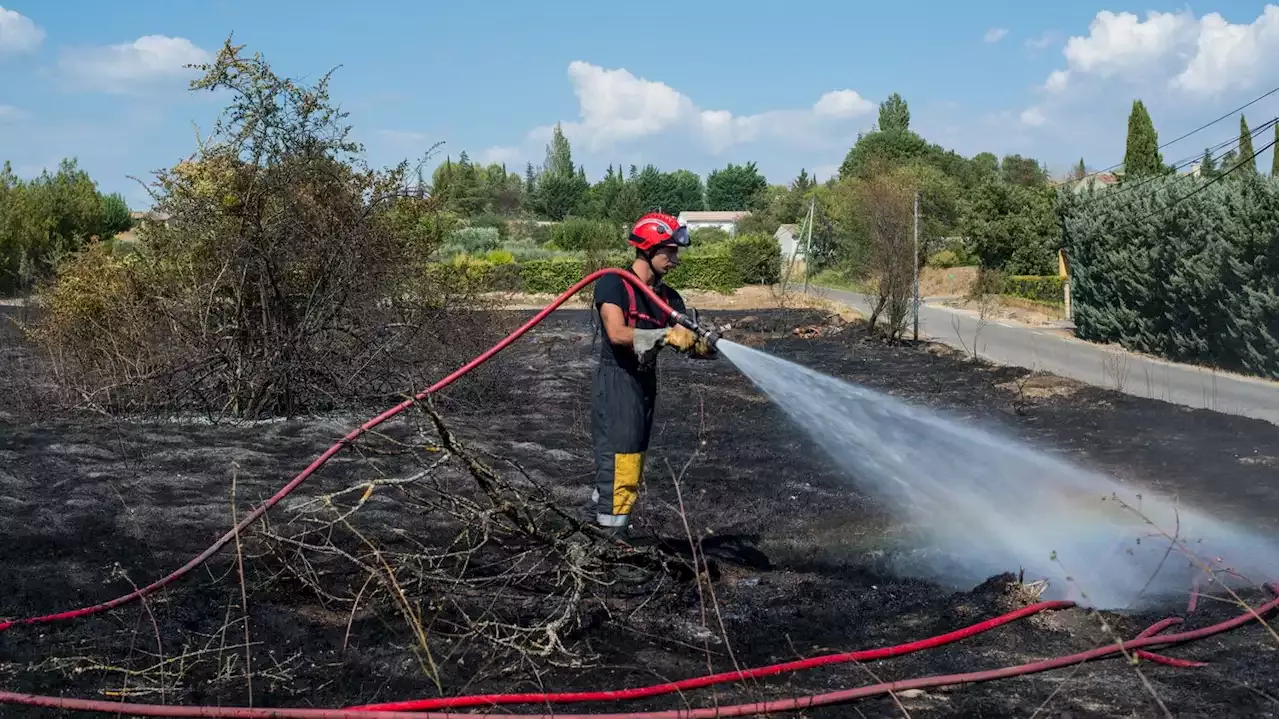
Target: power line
[[1201, 188], [1186, 135], [1138, 184]]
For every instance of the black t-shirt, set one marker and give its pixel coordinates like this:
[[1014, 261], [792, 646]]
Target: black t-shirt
[[612, 290]]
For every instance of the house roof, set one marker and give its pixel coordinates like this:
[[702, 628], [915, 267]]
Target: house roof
[[713, 216]]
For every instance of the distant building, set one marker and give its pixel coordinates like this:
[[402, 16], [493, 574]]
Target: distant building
[[727, 221], [141, 218], [1101, 180], [788, 239]]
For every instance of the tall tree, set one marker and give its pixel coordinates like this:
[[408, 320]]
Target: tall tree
[[803, 182], [1142, 147], [560, 188], [687, 192], [1080, 172], [1246, 148], [894, 115], [1207, 169], [735, 187], [1275, 152], [1025, 171]]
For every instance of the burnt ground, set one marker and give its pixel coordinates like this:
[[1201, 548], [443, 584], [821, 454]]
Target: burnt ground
[[88, 505]]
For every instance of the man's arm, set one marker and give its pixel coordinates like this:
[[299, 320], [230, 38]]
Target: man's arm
[[615, 325]]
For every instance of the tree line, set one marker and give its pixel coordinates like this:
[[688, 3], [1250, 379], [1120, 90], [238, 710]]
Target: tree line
[[49, 217]]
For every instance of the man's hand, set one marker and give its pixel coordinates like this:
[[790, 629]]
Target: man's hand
[[646, 344], [681, 338]]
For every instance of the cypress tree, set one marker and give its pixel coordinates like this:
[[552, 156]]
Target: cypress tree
[[1207, 170], [1080, 171], [1275, 152], [1141, 149], [1246, 147]]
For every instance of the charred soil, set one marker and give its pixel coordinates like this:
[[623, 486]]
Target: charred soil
[[91, 506]]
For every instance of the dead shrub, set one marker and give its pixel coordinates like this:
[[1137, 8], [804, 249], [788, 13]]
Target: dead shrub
[[287, 278]]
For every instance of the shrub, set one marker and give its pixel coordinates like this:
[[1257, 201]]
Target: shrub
[[473, 240], [550, 276], [494, 221], [580, 234], [1033, 287], [500, 257], [704, 236], [706, 272], [944, 259], [758, 259], [1177, 268]]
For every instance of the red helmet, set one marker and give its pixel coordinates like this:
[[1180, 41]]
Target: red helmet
[[656, 230]]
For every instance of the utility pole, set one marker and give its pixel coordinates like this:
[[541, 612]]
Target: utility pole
[[808, 246], [915, 268]]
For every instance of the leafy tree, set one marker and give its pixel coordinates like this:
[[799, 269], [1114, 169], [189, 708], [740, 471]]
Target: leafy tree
[[1024, 171], [894, 115], [985, 167], [115, 215], [803, 183], [560, 189], [687, 192], [1142, 156], [883, 148], [735, 187], [1012, 228]]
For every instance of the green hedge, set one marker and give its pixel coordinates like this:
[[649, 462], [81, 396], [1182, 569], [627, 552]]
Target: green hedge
[[758, 259], [1033, 287], [721, 268], [1178, 268]]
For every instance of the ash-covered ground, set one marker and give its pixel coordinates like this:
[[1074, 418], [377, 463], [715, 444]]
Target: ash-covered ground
[[90, 505]]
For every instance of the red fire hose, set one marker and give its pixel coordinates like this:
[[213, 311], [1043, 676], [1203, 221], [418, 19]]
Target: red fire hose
[[865, 655], [782, 705], [319, 462]]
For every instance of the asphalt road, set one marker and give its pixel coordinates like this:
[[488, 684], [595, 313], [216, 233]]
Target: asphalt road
[[1053, 350]]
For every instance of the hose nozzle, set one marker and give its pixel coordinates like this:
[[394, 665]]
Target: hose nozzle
[[709, 334]]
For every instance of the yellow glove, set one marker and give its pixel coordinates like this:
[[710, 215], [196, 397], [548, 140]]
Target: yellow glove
[[681, 338]]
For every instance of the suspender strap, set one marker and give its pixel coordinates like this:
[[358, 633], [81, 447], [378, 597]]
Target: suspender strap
[[633, 313]]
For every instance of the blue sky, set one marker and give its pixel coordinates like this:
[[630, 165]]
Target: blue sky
[[694, 85]]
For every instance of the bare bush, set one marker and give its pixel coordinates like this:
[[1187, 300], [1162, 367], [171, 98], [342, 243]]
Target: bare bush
[[885, 215], [493, 567], [288, 277]]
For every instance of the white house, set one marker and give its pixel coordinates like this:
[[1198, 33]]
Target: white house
[[727, 221], [789, 239]]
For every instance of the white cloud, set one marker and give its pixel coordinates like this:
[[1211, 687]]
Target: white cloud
[[843, 104], [995, 34], [1042, 41], [9, 112], [18, 33], [127, 66], [1032, 116], [1199, 56], [616, 107], [1174, 60]]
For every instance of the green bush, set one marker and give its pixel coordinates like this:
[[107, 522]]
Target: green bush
[[550, 276], [473, 240], [944, 259], [1179, 269], [758, 259], [1033, 287], [706, 272], [500, 257], [493, 220], [704, 236], [580, 234]]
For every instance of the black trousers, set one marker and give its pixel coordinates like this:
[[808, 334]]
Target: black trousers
[[621, 421]]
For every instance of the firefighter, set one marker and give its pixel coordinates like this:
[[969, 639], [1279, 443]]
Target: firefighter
[[633, 330]]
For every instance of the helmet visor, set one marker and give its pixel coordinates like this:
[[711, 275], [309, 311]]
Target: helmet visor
[[680, 238]]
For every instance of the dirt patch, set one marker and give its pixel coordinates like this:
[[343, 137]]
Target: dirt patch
[[947, 281], [1008, 308], [801, 550]]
